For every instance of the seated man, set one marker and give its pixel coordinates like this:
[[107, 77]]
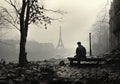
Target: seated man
[[80, 51]]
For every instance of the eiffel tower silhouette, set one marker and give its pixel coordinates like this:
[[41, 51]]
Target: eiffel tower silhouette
[[60, 42]]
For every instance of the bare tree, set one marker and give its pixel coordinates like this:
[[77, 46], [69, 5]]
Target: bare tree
[[3, 26], [29, 12], [101, 31], [100, 37]]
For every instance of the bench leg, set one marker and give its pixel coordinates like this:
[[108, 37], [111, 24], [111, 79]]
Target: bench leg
[[78, 62], [71, 62]]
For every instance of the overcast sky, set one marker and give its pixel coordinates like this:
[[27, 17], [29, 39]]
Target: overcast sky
[[75, 25]]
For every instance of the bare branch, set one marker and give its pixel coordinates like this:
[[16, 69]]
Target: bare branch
[[2, 21], [56, 11], [6, 11], [13, 5], [57, 19], [13, 21], [12, 24], [7, 1], [105, 12]]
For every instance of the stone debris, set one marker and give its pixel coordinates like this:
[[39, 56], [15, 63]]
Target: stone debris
[[48, 72]]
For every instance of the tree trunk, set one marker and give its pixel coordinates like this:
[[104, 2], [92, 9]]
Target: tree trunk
[[23, 35], [22, 53], [23, 38]]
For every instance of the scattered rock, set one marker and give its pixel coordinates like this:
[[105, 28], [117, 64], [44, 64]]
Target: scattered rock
[[62, 63]]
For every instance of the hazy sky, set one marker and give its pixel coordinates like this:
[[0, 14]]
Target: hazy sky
[[75, 25]]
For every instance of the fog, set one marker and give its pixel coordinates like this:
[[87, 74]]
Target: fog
[[76, 24]]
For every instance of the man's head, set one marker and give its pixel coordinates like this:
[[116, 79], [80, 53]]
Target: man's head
[[79, 43]]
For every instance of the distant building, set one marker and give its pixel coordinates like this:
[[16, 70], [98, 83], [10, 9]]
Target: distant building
[[115, 25], [40, 51], [9, 50]]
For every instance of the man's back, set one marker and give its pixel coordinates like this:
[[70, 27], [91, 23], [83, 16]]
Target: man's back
[[81, 52]]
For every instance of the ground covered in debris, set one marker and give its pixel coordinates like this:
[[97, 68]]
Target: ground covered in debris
[[54, 71]]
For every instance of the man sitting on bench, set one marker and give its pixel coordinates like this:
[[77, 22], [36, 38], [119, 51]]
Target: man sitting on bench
[[80, 51]]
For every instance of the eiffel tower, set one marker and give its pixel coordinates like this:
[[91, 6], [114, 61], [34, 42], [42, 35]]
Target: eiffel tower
[[60, 42]]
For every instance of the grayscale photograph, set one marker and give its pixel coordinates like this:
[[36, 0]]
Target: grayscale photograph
[[59, 42]]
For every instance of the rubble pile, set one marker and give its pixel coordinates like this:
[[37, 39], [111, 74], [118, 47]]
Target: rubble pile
[[54, 72], [89, 75], [113, 60], [34, 73]]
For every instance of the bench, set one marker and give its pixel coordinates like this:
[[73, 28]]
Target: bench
[[86, 62]]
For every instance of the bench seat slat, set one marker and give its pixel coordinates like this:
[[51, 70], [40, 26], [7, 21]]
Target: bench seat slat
[[96, 60]]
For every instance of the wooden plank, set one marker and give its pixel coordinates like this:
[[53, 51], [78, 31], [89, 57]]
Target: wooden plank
[[86, 62], [87, 59]]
